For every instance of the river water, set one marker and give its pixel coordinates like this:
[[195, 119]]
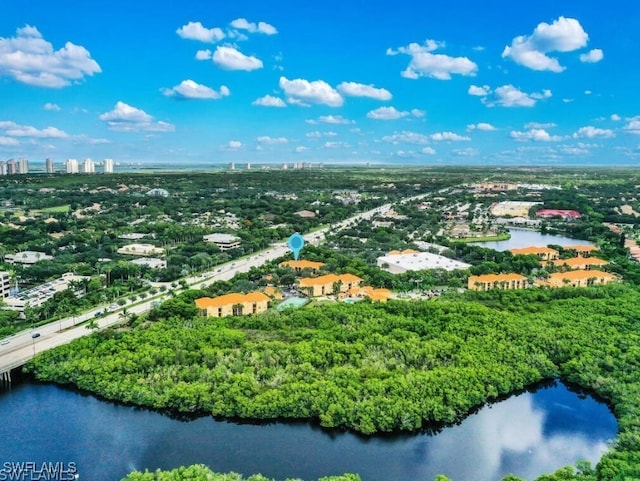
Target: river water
[[530, 238], [528, 434]]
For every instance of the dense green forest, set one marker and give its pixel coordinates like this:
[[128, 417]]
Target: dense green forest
[[199, 472], [375, 367]]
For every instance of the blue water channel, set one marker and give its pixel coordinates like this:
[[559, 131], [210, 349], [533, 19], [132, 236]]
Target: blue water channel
[[528, 434]]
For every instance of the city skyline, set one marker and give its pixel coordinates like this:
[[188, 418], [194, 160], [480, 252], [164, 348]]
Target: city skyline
[[551, 84]]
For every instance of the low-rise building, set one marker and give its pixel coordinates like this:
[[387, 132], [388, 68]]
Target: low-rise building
[[300, 265], [582, 250], [224, 242], [151, 262], [367, 292], [579, 278], [558, 213], [396, 262], [141, 250], [233, 304], [5, 284], [273, 292], [543, 253], [583, 263], [497, 281], [37, 296], [27, 257], [329, 284], [132, 236]]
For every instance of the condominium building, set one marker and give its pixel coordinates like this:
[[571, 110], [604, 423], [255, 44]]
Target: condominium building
[[72, 166], [11, 167], [579, 278], [300, 265], [329, 284], [49, 165], [108, 166], [3, 168], [497, 281], [233, 304], [543, 253], [5, 284], [23, 166], [88, 167]]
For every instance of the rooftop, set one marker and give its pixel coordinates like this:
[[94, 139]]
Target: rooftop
[[232, 298], [416, 261]]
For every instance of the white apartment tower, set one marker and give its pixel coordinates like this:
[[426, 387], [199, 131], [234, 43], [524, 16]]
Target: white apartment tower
[[72, 166], [49, 165], [108, 166], [88, 167], [3, 168], [23, 166]]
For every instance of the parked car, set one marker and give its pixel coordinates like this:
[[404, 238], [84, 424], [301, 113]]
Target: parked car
[[35, 334]]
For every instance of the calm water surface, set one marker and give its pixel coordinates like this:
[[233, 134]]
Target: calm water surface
[[526, 238], [528, 434]]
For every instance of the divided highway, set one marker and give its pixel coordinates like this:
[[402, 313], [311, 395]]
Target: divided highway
[[16, 350]]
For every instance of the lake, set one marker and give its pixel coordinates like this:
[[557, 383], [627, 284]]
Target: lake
[[526, 238], [528, 434]]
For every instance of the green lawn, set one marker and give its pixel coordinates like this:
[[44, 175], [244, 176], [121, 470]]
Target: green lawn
[[59, 209]]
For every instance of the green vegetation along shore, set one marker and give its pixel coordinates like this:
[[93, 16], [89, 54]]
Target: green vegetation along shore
[[375, 367], [199, 472]]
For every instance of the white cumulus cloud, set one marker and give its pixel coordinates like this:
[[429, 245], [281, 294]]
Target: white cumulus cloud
[[229, 58], [269, 101], [204, 54], [481, 126], [424, 63], [8, 141], [510, 96], [592, 56], [386, 113], [251, 27], [479, 91], [125, 118], [449, 136], [13, 129], [354, 89], [234, 145], [428, 151], [563, 35], [406, 136], [591, 132], [537, 135], [633, 125], [51, 106], [335, 119], [188, 89], [615, 117], [304, 92], [197, 31], [301, 148], [30, 59], [265, 139]]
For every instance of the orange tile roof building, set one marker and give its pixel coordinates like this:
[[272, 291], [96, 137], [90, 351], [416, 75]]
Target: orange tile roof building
[[579, 278], [497, 281], [324, 285], [399, 253], [300, 265], [366, 292], [233, 304], [584, 263], [273, 292], [543, 253], [581, 250]]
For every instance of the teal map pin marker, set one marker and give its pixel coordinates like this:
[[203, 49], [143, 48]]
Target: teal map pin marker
[[296, 243]]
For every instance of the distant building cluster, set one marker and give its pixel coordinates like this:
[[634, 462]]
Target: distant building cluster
[[37, 296], [71, 166]]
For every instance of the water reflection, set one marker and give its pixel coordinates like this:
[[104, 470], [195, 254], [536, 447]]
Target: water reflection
[[526, 238], [528, 435]]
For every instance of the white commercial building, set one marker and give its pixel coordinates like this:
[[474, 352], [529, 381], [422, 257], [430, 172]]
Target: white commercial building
[[108, 166], [49, 165], [27, 257], [72, 166], [5, 284], [141, 250], [224, 242], [152, 262], [37, 296], [418, 261]]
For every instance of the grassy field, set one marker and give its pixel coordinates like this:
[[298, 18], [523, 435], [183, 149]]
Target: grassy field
[[59, 209], [500, 237]]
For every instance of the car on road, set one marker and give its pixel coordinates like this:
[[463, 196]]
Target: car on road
[[35, 334], [5, 342], [97, 314]]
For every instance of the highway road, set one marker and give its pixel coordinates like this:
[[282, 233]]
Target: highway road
[[16, 350]]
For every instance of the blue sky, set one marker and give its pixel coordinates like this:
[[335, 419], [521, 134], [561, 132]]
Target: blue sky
[[347, 81]]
